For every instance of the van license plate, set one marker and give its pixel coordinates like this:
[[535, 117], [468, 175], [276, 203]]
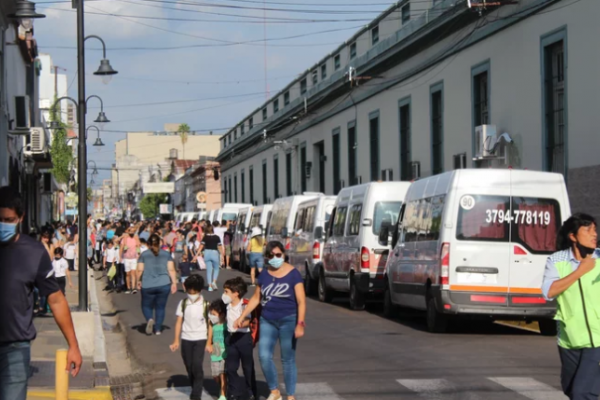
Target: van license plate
[[471, 277]]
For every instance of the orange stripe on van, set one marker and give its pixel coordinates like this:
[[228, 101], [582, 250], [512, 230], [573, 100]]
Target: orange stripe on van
[[495, 289]]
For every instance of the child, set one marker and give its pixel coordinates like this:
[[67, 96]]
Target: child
[[239, 342], [71, 253], [111, 257], [216, 343], [61, 269], [185, 270], [191, 332]]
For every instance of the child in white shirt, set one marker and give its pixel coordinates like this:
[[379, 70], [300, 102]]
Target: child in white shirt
[[61, 269]]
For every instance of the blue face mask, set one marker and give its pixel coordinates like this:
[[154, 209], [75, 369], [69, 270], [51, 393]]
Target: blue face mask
[[7, 231], [276, 262]]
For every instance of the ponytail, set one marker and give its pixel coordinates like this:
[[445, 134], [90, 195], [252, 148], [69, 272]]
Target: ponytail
[[154, 244]]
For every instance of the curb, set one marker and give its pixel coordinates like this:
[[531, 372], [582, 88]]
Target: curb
[[99, 341], [99, 393]]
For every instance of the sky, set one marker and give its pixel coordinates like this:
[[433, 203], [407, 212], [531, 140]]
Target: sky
[[200, 62]]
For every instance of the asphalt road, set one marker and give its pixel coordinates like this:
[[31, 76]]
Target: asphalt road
[[361, 355]]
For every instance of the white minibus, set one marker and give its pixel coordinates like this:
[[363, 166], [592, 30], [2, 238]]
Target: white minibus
[[306, 249], [353, 256], [474, 242], [283, 216]]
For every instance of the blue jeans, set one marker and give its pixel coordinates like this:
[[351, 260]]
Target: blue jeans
[[257, 260], [282, 330], [14, 370], [213, 265], [580, 375], [155, 299]]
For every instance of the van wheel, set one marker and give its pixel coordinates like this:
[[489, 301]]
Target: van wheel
[[310, 285], [547, 327], [436, 321], [325, 294], [357, 299], [389, 309]]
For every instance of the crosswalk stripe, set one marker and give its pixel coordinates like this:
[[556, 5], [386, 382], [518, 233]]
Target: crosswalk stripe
[[434, 389], [530, 388], [314, 391], [179, 393]]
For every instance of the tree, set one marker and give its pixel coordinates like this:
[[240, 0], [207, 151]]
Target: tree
[[150, 204], [183, 131], [90, 194], [60, 152]]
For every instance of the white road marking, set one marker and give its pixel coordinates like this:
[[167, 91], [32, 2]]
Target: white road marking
[[530, 388], [314, 391], [179, 393], [434, 389]]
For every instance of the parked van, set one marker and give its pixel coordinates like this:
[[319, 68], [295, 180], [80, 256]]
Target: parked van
[[306, 249], [229, 212], [474, 242], [353, 256], [261, 216], [240, 236], [284, 216]]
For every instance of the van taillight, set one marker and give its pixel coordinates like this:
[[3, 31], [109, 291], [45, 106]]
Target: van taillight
[[316, 251], [445, 264], [365, 258], [288, 244]]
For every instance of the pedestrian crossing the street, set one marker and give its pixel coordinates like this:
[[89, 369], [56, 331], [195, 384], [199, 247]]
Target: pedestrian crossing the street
[[521, 388]]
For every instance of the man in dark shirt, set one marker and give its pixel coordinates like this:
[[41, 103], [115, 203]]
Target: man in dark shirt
[[25, 264]]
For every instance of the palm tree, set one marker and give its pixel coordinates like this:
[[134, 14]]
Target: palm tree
[[183, 131]]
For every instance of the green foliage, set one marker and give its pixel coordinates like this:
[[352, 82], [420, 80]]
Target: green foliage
[[183, 131], [90, 194], [60, 152], [150, 204]]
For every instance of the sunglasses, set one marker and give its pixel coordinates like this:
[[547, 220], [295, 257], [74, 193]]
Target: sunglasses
[[272, 255]]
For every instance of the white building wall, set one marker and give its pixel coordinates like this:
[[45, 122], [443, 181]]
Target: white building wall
[[514, 55], [51, 89]]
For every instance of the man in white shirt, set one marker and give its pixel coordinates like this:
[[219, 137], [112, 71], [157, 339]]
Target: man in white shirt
[[111, 257]]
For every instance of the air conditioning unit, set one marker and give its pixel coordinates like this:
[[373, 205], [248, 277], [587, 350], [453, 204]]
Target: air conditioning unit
[[38, 141], [22, 120], [485, 140], [415, 168]]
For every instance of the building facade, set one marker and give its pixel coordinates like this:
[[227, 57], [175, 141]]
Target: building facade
[[403, 98]]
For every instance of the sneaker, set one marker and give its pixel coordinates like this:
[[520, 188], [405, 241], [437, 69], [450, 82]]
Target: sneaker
[[150, 327], [128, 292], [222, 398], [214, 285], [158, 333], [210, 289], [133, 291], [274, 396]]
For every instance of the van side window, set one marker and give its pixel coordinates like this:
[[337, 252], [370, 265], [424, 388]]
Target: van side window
[[437, 210], [299, 220], [331, 223], [308, 219], [354, 224], [340, 221], [409, 231]]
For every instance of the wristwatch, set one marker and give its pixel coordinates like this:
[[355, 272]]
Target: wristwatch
[[302, 324]]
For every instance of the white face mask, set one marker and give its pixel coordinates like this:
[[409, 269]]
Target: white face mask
[[226, 299], [193, 297], [214, 319]]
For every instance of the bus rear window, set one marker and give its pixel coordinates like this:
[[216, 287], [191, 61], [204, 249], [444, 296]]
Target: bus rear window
[[385, 210], [229, 216], [531, 222]]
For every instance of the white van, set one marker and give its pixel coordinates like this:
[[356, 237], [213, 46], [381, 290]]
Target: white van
[[306, 249], [284, 216], [240, 236], [229, 212], [474, 242], [353, 257], [261, 217]]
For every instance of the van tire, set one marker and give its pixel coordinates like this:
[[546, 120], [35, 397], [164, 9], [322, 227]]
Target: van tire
[[325, 294], [310, 284], [436, 321], [357, 298], [548, 327], [389, 309]]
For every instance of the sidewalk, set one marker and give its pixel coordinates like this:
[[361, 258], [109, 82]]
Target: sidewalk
[[89, 384]]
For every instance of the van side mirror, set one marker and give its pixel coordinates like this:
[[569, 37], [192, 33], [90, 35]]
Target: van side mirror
[[284, 232], [319, 232]]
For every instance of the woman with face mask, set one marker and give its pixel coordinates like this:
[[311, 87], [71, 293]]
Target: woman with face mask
[[572, 278], [280, 291]]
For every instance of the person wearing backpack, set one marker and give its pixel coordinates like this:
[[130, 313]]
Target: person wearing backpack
[[191, 333], [280, 294]]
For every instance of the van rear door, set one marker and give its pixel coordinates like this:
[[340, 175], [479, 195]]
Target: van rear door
[[481, 255], [535, 225]]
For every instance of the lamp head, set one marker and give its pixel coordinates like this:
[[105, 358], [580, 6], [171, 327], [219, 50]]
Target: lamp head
[[101, 119], [25, 13], [98, 142], [106, 71]]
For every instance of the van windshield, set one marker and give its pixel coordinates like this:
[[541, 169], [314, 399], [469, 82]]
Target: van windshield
[[229, 216], [531, 222], [385, 210]]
